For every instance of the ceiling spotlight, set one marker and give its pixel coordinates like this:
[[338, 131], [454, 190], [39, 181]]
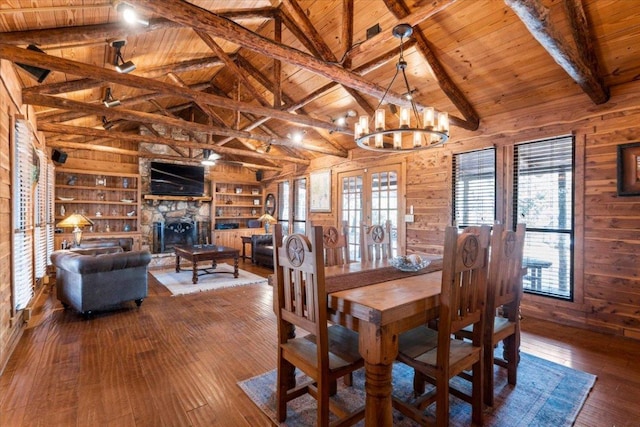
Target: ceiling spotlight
[[130, 15], [266, 150], [108, 100], [342, 120], [121, 66], [209, 157], [106, 124], [296, 137]]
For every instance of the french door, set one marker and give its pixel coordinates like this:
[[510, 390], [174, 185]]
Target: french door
[[372, 196]]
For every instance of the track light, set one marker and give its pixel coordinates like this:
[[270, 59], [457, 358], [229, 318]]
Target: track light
[[342, 120], [106, 124], [108, 100], [130, 15], [266, 150], [39, 73], [209, 157], [121, 66]]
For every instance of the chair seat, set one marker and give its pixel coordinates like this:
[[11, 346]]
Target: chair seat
[[343, 343], [502, 328], [417, 341], [460, 353]]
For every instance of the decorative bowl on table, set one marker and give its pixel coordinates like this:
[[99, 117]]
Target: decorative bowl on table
[[409, 263]]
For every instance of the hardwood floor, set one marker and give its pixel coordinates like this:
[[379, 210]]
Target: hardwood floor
[[176, 361]]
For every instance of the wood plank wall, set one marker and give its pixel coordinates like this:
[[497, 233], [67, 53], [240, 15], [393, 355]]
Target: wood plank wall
[[607, 233]]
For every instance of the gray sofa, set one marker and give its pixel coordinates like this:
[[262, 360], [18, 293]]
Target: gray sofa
[[262, 249], [126, 243], [94, 279]]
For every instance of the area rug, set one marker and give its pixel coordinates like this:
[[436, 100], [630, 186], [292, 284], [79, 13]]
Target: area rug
[[547, 394], [180, 283]]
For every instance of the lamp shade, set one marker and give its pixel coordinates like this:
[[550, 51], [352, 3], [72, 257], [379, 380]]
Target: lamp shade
[[75, 220]]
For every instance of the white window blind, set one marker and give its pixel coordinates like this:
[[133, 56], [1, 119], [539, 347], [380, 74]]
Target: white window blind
[[474, 187], [23, 179], [543, 200], [51, 215], [283, 206], [40, 215]]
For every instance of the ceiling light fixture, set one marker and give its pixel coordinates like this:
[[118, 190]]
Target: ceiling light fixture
[[430, 130], [209, 157], [130, 15], [121, 66], [108, 100], [342, 120], [106, 124], [296, 137]]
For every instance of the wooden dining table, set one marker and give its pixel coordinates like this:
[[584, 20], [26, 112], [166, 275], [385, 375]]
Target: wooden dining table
[[380, 311]]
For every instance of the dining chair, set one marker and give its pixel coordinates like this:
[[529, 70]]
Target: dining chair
[[336, 245], [462, 303], [301, 303], [376, 241], [504, 291]]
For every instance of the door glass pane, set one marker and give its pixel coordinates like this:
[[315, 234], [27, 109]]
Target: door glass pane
[[300, 205], [283, 206], [352, 193], [384, 202]]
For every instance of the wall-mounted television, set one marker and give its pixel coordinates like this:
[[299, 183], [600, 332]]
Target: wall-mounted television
[[171, 179]]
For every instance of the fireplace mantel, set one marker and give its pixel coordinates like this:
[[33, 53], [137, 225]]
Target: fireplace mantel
[[157, 199]]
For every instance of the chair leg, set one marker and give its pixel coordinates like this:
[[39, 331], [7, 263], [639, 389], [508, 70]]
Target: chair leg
[[348, 379], [323, 405], [511, 349], [442, 401], [476, 390], [419, 384], [285, 371], [487, 354]]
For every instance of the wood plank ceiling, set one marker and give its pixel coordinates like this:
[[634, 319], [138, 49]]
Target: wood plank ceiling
[[241, 77]]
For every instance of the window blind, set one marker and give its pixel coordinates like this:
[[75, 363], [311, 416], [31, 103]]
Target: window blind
[[474, 187], [23, 215], [40, 214], [543, 200]]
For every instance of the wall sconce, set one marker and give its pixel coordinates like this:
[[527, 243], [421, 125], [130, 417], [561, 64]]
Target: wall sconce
[[121, 65], [108, 100], [39, 73]]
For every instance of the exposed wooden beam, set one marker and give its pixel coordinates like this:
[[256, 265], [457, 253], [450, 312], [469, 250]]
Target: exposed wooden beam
[[347, 31], [191, 15], [401, 11], [122, 136], [233, 67], [26, 56], [419, 16], [139, 116], [83, 33], [535, 16]]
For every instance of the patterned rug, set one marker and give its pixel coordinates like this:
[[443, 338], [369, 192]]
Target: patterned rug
[[547, 394], [181, 283]]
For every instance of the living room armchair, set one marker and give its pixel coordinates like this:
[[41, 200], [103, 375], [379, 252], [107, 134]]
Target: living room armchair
[[262, 249], [93, 280]]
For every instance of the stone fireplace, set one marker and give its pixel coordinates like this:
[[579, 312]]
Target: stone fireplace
[[174, 223]]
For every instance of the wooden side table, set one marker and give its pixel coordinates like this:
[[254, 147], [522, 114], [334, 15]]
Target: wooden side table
[[245, 240]]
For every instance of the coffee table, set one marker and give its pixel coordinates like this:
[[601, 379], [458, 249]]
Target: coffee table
[[197, 253]]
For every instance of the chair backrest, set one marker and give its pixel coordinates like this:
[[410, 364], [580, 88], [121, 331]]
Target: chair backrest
[[505, 269], [464, 280], [299, 279], [336, 245], [376, 241]]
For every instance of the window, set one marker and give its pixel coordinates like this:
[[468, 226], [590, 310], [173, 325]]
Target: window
[[283, 206], [300, 205], [292, 208], [474, 187], [543, 200], [23, 214]]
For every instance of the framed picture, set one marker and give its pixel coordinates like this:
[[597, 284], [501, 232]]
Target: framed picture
[[320, 185], [629, 169]]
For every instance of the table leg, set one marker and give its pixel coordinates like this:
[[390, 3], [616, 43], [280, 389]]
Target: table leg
[[379, 348], [235, 266], [195, 272], [177, 263]]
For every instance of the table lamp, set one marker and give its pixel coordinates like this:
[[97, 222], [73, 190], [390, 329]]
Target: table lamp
[[76, 221], [267, 220]]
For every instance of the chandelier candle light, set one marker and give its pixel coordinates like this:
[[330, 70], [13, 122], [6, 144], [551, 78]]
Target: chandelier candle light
[[430, 130]]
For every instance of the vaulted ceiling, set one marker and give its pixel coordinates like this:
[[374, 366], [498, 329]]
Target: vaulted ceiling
[[241, 77]]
